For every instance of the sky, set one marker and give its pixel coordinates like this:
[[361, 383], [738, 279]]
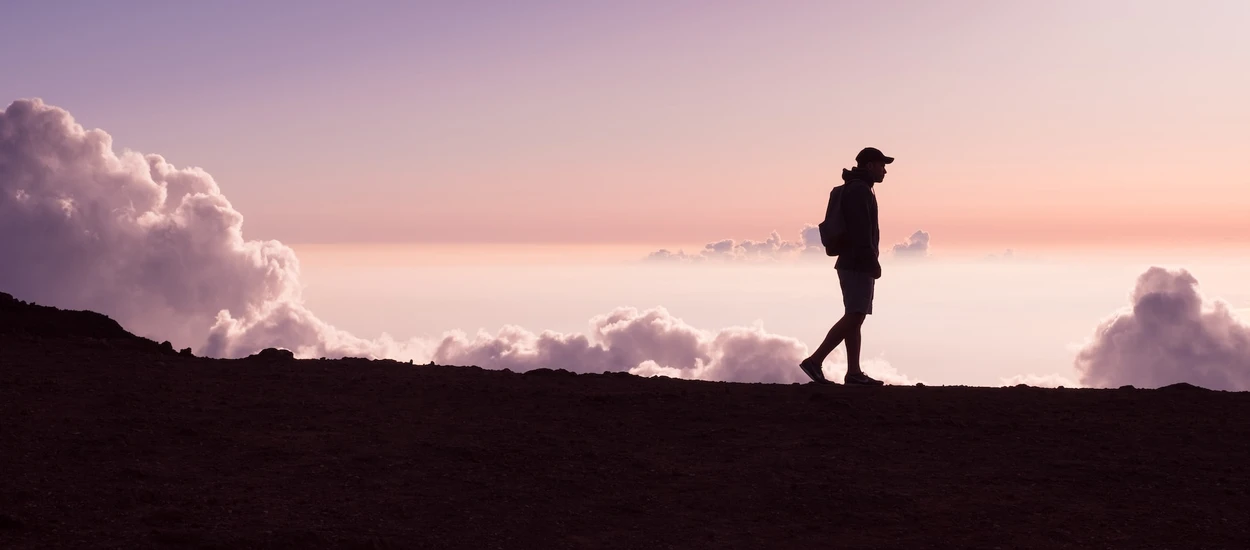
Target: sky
[[1016, 124], [632, 186]]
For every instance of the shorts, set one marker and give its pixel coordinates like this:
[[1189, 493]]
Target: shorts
[[857, 290]]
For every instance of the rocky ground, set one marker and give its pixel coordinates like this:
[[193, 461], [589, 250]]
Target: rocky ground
[[112, 441]]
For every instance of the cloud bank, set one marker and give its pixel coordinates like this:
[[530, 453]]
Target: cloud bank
[[649, 343], [776, 249], [161, 250], [1169, 334], [772, 249]]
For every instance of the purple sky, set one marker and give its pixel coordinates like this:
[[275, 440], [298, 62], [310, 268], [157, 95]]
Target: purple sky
[[668, 122]]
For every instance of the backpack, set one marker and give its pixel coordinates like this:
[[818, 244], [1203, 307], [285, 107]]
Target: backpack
[[833, 229]]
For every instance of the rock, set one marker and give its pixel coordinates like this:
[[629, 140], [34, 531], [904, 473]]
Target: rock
[[20, 317], [273, 354], [186, 352], [546, 372], [1127, 387], [167, 347], [1183, 386]]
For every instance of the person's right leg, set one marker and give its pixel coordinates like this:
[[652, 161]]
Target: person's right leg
[[853, 341], [854, 374]]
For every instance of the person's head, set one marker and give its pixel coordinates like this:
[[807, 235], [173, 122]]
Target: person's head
[[872, 162]]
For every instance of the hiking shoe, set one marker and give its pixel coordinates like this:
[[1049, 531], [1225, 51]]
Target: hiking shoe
[[812, 370], [861, 379]]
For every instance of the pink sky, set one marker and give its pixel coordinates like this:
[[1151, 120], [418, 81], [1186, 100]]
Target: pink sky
[[1015, 124]]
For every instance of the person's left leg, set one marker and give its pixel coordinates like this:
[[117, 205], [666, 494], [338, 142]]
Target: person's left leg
[[849, 323]]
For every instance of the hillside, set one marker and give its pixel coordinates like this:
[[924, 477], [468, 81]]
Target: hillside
[[113, 441]]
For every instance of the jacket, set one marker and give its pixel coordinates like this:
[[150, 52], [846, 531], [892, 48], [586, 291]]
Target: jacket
[[863, 232]]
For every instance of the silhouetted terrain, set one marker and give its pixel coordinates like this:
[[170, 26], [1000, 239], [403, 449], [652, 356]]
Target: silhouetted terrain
[[113, 441]]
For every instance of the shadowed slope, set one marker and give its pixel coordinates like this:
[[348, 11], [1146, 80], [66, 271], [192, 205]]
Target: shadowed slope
[[131, 446]]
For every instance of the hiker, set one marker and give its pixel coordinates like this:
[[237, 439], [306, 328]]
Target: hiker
[[858, 265]]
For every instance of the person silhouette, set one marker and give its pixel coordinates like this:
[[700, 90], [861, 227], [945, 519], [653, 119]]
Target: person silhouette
[[858, 267]]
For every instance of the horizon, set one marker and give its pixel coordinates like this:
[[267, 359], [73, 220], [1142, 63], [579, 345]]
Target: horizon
[[481, 183]]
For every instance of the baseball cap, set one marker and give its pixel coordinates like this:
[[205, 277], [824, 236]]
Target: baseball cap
[[872, 154]]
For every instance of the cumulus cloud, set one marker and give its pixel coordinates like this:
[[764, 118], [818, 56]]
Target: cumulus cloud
[[1169, 334], [161, 250], [649, 343], [917, 246], [772, 249]]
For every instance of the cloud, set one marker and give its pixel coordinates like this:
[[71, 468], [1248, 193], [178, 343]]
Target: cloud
[[776, 249], [876, 368], [161, 250], [1169, 334], [728, 250], [917, 246], [648, 343]]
